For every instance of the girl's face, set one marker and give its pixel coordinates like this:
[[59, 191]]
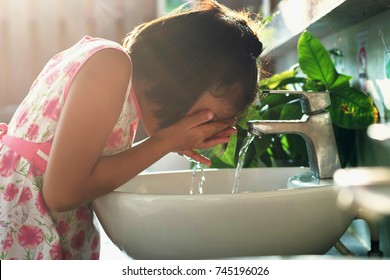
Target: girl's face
[[221, 110]]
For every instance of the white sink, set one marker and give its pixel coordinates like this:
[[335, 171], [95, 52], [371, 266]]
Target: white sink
[[153, 216]]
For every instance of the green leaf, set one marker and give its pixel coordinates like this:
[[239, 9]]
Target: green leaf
[[228, 157], [313, 85], [290, 83], [297, 150], [271, 106], [261, 147], [315, 60], [274, 81], [251, 157], [346, 145], [215, 155], [291, 110], [341, 83], [218, 163], [251, 114], [352, 109]]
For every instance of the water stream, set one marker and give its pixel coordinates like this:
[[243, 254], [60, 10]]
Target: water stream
[[241, 158], [197, 185]]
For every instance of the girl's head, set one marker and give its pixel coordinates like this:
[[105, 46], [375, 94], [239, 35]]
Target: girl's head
[[205, 48]]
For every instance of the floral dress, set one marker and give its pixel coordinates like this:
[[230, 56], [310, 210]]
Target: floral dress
[[28, 229]]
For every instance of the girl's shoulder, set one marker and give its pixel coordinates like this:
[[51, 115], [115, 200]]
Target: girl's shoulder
[[88, 46]]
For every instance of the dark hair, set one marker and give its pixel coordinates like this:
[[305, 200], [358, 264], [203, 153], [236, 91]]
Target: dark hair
[[204, 47]]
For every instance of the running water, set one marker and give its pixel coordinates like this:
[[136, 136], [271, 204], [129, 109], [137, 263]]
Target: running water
[[241, 158], [202, 179], [197, 185]]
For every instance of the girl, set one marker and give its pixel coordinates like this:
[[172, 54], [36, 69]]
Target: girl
[[188, 75]]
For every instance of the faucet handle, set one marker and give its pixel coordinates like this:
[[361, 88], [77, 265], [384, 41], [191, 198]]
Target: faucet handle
[[311, 102]]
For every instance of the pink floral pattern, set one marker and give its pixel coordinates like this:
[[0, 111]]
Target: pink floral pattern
[[8, 163], [115, 138], [32, 131], [8, 242], [94, 243], [21, 119], [25, 196], [52, 109], [40, 205], [10, 192], [78, 240], [55, 251], [62, 228], [34, 171], [30, 237], [83, 214], [66, 254], [29, 230], [72, 67], [52, 77]]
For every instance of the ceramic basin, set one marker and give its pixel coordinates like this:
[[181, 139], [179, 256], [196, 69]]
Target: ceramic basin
[[154, 216]]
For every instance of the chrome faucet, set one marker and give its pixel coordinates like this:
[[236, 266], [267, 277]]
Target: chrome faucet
[[315, 127]]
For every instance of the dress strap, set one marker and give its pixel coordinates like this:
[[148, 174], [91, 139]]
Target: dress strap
[[36, 153]]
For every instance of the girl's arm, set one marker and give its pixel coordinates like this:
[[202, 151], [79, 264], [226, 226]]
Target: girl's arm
[[76, 172]]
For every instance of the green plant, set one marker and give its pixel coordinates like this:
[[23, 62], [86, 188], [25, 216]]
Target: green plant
[[350, 110]]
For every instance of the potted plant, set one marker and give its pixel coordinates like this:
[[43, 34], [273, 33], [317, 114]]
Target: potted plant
[[350, 110]]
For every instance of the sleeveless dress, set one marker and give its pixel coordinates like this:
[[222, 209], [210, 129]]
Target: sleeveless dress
[[28, 229]]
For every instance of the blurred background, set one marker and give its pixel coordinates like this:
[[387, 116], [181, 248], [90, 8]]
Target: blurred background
[[32, 31]]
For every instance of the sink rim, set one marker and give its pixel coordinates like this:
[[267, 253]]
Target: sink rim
[[128, 187]]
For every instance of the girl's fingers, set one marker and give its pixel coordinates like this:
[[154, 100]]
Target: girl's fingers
[[199, 132], [198, 118], [226, 132], [219, 138], [196, 157], [215, 130], [209, 143], [203, 121]]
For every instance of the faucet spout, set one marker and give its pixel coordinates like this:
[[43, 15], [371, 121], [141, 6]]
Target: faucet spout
[[316, 130]]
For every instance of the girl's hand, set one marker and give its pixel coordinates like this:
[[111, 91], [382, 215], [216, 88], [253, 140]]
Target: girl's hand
[[196, 131], [221, 137]]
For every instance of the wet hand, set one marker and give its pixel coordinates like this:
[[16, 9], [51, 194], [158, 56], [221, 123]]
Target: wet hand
[[195, 156], [196, 131]]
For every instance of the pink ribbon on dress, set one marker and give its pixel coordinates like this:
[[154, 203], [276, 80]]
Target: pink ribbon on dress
[[36, 153]]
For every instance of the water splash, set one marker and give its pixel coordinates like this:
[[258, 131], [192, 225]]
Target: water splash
[[200, 182], [241, 158], [196, 186]]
